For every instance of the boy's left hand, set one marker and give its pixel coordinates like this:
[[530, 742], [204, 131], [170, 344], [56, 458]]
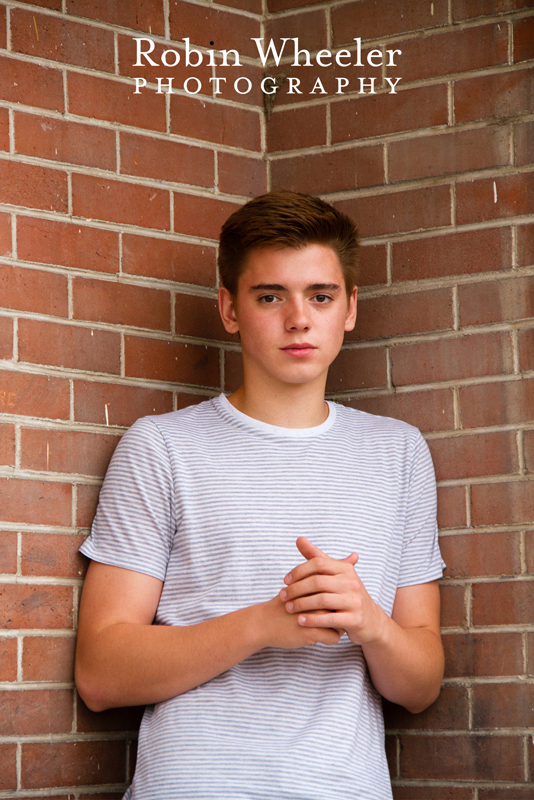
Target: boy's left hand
[[332, 586]]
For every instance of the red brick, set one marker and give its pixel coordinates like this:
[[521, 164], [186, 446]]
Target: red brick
[[199, 317], [3, 28], [472, 554], [506, 793], [528, 444], [114, 101], [428, 411], [215, 122], [36, 712], [309, 27], [243, 176], [285, 5], [171, 361], [7, 445], [254, 6], [452, 52], [428, 792], [5, 235], [453, 254], [312, 82], [475, 758], [201, 216], [392, 16], [448, 153], [291, 129], [482, 654], [496, 301], [142, 15], [115, 201], [255, 74], [8, 767], [381, 317], [71, 245], [33, 290], [503, 503], [526, 350], [66, 451], [6, 337], [529, 548], [69, 346], [475, 200], [8, 660], [507, 705], [468, 9], [452, 359], [330, 171], [530, 653], [185, 400], [474, 455], [233, 370], [52, 764], [452, 511], [8, 554], [53, 555], [4, 129], [31, 84], [168, 259], [121, 304], [453, 606], [36, 606], [422, 107], [495, 96], [87, 499], [33, 187], [372, 268], [36, 502], [204, 25], [56, 38], [166, 160], [179, 73], [364, 368], [115, 719], [58, 140], [506, 603], [524, 143], [123, 404], [448, 712], [523, 39], [48, 658], [34, 395], [53, 4]]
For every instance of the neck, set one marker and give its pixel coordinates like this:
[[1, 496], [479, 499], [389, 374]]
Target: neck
[[286, 406]]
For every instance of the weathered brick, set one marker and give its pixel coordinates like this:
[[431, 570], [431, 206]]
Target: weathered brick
[[69, 346], [254, 6], [452, 359], [239, 175], [143, 15], [114, 719], [304, 82], [448, 712], [36, 712], [398, 212], [507, 196], [114, 101], [33, 290], [59, 39], [71, 245], [496, 96], [358, 369], [496, 301], [4, 129], [87, 499], [201, 216], [166, 160], [453, 254], [428, 411], [469, 9], [8, 553], [504, 603], [330, 171], [33, 187], [171, 361], [66, 451], [34, 395], [291, 129], [5, 235], [523, 39], [372, 269], [515, 792], [36, 606], [452, 511], [8, 767], [474, 455], [524, 144], [529, 548], [59, 140], [416, 312], [377, 115], [6, 338], [168, 259], [528, 445], [7, 445], [52, 764], [231, 90], [468, 757], [8, 660], [482, 654], [204, 25], [395, 16], [488, 553], [31, 84], [36, 502], [285, 5], [502, 503], [453, 606], [431, 792], [309, 27], [53, 4], [503, 705], [199, 317], [184, 400], [115, 404], [526, 350], [48, 658], [3, 28], [179, 73], [118, 201], [121, 304], [215, 122], [52, 555]]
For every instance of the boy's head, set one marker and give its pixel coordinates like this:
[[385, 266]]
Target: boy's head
[[286, 219]]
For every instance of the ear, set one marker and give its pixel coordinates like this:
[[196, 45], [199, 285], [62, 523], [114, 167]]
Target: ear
[[350, 320], [227, 311]]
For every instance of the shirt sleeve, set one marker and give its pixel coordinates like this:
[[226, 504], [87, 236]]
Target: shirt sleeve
[[135, 520], [421, 560]]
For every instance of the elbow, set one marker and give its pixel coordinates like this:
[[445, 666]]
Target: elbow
[[91, 689], [422, 703]]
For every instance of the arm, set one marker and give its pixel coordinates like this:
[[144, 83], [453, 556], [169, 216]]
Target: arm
[[123, 659], [403, 652]]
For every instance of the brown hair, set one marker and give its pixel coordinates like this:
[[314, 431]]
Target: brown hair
[[286, 219]]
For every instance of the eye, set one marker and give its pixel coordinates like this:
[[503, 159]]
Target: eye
[[268, 298], [322, 299]]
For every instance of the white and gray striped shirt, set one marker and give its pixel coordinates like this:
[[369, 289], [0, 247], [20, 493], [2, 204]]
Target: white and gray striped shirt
[[211, 502]]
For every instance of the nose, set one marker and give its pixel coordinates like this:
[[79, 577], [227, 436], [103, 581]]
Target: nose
[[297, 318]]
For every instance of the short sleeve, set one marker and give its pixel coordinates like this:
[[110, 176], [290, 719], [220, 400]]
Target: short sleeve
[[135, 520], [421, 560]]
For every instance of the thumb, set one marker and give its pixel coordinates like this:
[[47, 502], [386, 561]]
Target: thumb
[[307, 549], [352, 559]]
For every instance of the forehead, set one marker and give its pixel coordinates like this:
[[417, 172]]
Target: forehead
[[292, 267]]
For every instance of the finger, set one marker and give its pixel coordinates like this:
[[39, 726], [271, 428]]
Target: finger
[[307, 549], [324, 602], [318, 565], [352, 559], [314, 584], [334, 620]]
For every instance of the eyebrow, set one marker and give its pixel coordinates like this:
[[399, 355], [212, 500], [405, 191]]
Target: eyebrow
[[313, 287]]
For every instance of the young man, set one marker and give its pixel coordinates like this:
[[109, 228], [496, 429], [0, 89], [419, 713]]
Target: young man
[[265, 565]]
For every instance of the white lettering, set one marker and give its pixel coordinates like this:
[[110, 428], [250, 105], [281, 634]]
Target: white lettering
[[139, 63], [358, 52], [249, 85], [139, 82], [164, 58], [226, 53], [186, 86], [217, 82], [307, 59], [323, 54], [343, 54], [169, 85], [393, 84], [273, 86], [341, 83], [294, 83], [271, 48], [391, 54], [189, 53], [372, 55], [371, 82], [318, 85]]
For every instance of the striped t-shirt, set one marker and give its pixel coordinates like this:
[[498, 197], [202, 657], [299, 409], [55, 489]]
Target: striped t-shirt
[[211, 502]]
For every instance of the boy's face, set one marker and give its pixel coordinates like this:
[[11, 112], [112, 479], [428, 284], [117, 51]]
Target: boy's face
[[291, 312]]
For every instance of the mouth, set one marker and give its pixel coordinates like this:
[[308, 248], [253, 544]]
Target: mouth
[[299, 350]]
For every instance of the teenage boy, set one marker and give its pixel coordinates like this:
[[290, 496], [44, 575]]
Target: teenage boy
[[264, 566]]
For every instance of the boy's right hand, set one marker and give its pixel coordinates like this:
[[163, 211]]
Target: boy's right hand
[[281, 629]]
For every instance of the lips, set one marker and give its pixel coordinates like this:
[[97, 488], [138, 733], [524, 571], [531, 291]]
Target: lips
[[299, 350]]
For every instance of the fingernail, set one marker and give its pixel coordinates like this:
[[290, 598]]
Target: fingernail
[[288, 578], [289, 606], [302, 620], [283, 594]]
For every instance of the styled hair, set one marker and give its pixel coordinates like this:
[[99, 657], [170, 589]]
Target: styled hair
[[286, 219]]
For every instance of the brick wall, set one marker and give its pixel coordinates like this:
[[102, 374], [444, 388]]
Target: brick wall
[[110, 205]]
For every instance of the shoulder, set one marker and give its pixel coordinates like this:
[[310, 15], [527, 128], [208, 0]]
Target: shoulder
[[373, 425]]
